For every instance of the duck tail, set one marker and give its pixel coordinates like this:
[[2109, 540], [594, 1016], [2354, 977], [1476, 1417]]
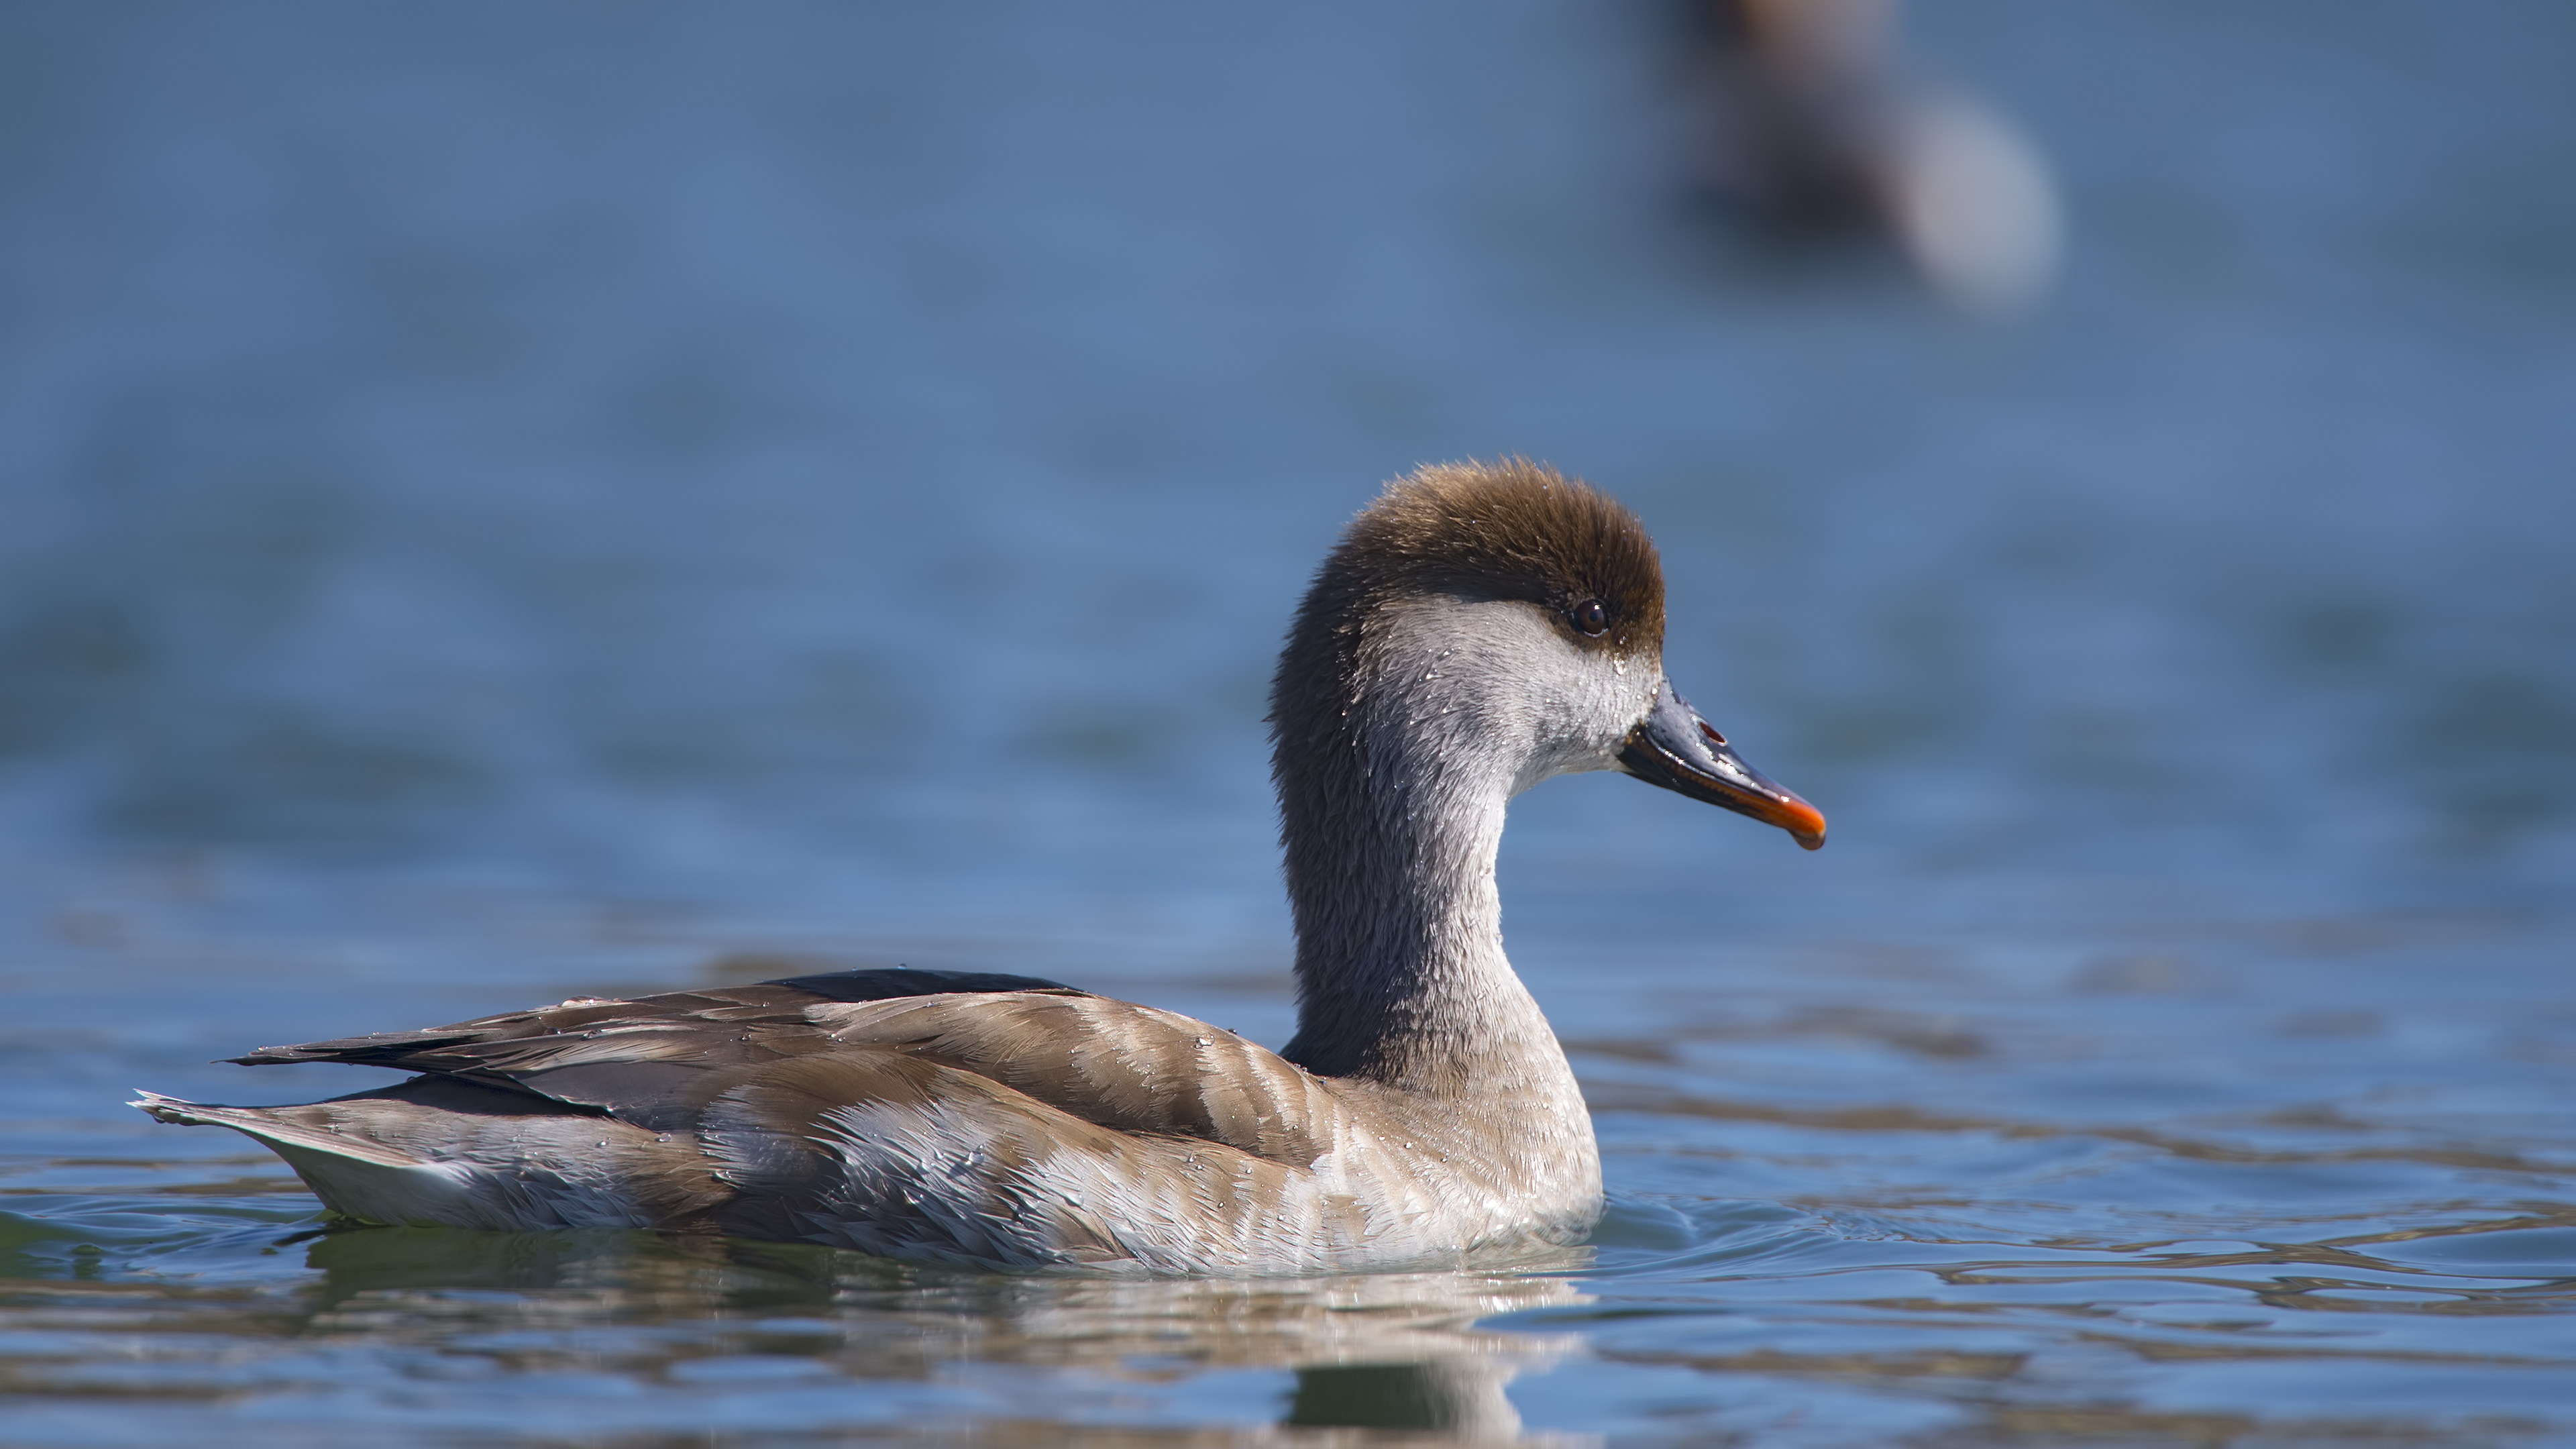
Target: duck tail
[[355, 1175]]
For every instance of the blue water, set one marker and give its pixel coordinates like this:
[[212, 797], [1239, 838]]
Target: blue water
[[497, 504]]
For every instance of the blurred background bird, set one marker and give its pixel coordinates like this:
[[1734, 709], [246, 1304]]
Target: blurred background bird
[[1810, 132]]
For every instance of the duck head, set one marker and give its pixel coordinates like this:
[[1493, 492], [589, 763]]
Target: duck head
[[1482, 627]]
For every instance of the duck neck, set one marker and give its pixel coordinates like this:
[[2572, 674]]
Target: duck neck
[[1401, 976]]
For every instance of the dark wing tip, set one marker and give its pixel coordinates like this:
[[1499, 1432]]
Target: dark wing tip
[[354, 1049], [885, 985]]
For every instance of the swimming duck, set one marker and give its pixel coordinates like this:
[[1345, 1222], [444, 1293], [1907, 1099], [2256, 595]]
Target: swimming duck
[[1479, 628]]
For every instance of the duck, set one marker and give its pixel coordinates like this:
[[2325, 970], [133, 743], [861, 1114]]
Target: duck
[[1478, 628]]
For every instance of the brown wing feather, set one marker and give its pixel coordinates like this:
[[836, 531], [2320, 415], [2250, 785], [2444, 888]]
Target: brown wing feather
[[774, 1001], [655, 1061], [1122, 1066]]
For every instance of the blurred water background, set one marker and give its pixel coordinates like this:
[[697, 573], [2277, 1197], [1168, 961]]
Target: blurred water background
[[504, 502]]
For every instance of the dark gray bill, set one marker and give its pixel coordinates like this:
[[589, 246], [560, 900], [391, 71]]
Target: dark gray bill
[[1676, 749]]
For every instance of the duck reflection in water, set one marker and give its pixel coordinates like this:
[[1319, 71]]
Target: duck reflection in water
[[1811, 134], [1399, 1351]]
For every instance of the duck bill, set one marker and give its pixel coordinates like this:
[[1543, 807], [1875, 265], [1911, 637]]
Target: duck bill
[[1676, 749]]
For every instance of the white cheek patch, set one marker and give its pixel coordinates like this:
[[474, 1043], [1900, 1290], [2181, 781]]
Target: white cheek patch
[[1509, 688]]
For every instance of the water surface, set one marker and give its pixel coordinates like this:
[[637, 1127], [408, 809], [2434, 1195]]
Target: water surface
[[498, 505]]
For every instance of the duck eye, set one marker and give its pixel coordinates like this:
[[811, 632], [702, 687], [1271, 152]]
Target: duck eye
[[1591, 616]]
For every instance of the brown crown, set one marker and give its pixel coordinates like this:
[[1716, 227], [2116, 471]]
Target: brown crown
[[1511, 529]]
